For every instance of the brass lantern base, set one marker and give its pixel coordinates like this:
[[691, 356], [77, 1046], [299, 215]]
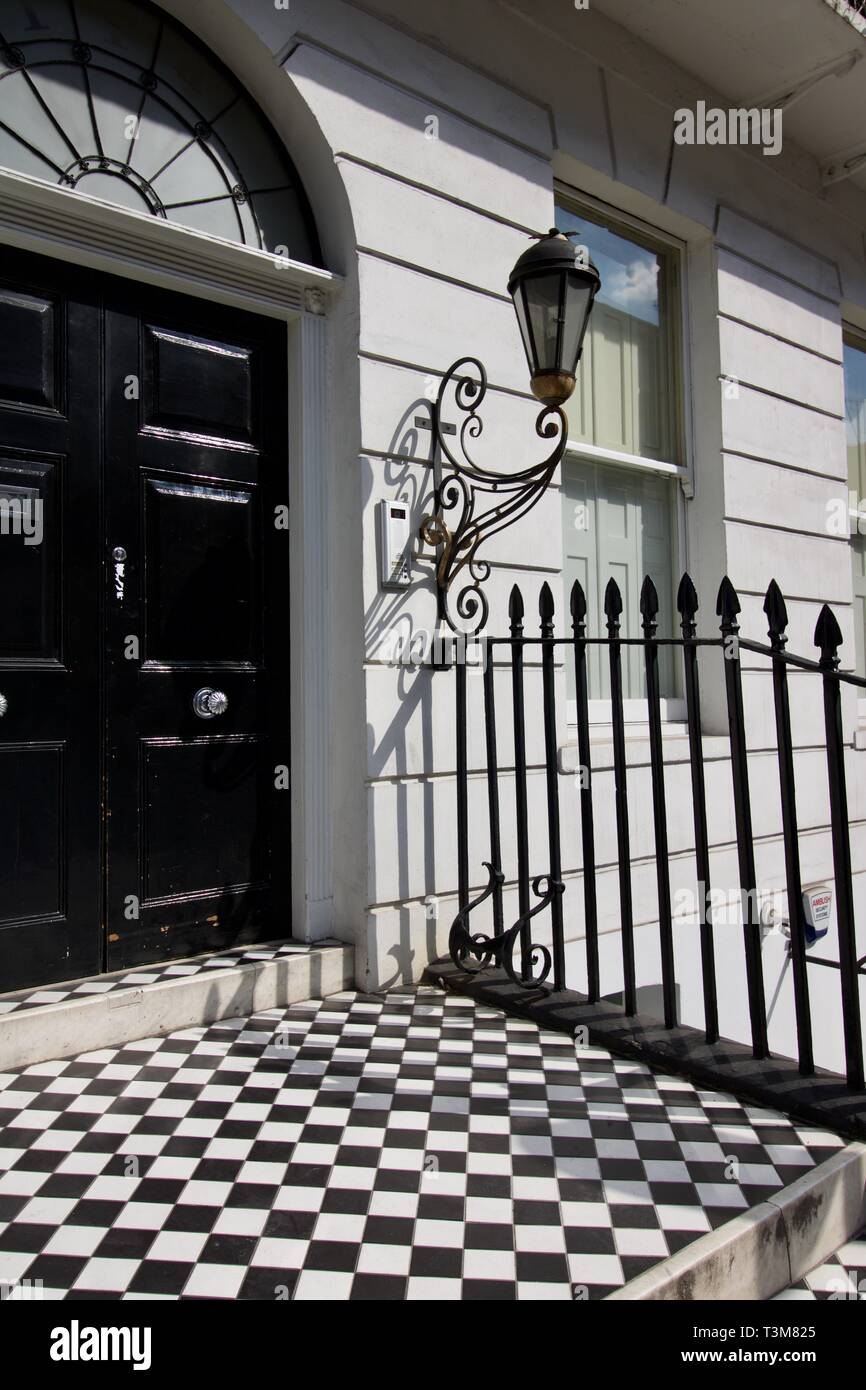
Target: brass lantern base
[[553, 388]]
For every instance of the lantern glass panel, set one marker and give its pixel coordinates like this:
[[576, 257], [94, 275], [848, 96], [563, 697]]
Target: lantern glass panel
[[523, 324], [543, 297], [577, 304]]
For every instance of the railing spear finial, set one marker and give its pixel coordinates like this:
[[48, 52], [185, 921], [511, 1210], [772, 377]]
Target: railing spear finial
[[777, 615], [612, 605], [728, 606], [828, 636], [578, 607], [649, 607], [546, 609], [515, 611], [687, 603]]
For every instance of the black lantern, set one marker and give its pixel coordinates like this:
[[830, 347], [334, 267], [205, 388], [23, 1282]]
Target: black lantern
[[553, 287]]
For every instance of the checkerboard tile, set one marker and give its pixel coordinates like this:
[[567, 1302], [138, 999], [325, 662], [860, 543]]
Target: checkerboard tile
[[841, 1277], [146, 975], [407, 1146]]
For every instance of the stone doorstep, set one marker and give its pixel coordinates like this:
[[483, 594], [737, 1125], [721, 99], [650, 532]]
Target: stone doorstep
[[765, 1250], [86, 1023]]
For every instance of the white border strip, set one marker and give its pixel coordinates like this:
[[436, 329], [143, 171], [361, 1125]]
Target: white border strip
[[767, 1249]]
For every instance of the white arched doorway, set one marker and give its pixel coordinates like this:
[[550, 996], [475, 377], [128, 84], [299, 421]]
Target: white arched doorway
[[157, 324]]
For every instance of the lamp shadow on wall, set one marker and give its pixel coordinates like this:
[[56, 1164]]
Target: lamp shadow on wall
[[397, 628]]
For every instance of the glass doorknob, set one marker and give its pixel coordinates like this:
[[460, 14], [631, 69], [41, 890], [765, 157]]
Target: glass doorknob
[[208, 704]]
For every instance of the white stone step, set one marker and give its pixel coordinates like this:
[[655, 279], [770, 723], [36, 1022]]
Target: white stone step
[[41, 1025]]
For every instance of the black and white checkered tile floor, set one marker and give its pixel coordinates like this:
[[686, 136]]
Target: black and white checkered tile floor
[[412, 1145], [145, 975], [842, 1276]]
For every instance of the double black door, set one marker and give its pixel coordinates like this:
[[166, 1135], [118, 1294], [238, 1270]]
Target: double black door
[[144, 640]]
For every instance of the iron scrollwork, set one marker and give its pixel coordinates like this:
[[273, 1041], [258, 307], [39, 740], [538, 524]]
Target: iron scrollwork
[[456, 527], [475, 953]]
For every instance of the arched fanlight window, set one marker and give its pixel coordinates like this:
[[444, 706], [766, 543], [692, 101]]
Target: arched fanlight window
[[117, 99]]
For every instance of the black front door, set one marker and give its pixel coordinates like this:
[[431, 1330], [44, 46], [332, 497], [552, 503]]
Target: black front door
[[144, 644]]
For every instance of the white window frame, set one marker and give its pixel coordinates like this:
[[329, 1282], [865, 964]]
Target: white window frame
[[673, 709], [854, 336]]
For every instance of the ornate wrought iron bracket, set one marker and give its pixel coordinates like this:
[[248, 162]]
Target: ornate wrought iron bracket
[[476, 953], [458, 527]]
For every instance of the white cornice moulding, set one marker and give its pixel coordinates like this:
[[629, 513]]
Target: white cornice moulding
[[786, 96], [56, 221]]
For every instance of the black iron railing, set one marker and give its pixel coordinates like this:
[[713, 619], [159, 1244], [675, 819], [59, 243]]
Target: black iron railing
[[532, 969]]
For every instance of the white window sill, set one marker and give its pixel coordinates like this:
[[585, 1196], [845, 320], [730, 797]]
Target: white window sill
[[673, 711], [675, 745], [579, 447]]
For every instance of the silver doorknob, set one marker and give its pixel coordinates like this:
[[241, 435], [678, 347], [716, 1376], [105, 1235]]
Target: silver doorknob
[[208, 703], [4, 705]]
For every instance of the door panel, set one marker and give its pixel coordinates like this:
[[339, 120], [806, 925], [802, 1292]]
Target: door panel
[[197, 467], [28, 349], [197, 385], [142, 456], [30, 556], [31, 824], [219, 847], [50, 544], [203, 596]]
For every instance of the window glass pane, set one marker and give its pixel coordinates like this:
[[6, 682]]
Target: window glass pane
[[144, 116], [855, 417], [617, 524], [626, 356], [858, 565], [855, 438]]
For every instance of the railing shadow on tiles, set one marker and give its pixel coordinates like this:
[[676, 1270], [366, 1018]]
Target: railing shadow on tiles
[[544, 949]]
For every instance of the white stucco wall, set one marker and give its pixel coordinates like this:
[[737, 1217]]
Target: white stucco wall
[[431, 228]]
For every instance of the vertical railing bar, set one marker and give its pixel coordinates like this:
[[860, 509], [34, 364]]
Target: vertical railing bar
[[515, 610], [462, 785], [546, 611], [587, 824], [613, 609], [493, 786], [777, 617], [687, 604], [649, 605], [829, 638], [727, 608]]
